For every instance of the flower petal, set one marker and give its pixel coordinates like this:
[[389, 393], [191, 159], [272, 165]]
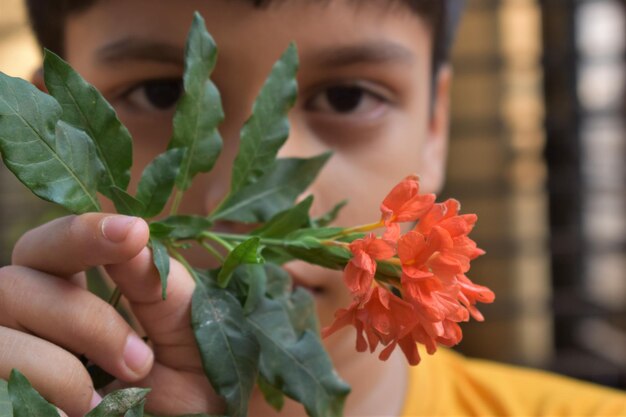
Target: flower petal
[[404, 203]]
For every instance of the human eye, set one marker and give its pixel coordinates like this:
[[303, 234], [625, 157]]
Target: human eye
[[157, 95], [351, 99]]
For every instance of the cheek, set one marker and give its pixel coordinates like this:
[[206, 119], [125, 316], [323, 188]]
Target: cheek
[[149, 139], [364, 175], [336, 296]]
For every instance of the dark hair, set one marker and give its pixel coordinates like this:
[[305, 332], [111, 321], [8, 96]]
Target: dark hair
[[48, 18]]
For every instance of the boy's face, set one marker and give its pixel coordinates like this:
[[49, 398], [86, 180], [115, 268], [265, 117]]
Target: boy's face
[[364, 93]]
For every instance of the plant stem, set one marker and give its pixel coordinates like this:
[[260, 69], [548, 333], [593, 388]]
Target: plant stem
[[338, 243], [212, 250], [178, 197], [221, 239], [362, 229], [224, 237], [394, 261], [115, 297]]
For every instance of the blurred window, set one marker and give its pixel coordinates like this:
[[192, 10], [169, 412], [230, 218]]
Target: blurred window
[[585, 44]]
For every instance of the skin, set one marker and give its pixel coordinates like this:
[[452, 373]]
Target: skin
[[391, 132]]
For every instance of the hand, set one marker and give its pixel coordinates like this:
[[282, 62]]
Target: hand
[[47, 318]]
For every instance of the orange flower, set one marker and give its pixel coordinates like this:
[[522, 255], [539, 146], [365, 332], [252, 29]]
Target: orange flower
[[432, 294], [435, 257], [381, 317], [360, 271], [471, 293], [384, 318], [404, 203], [427, 333], [446, 215]]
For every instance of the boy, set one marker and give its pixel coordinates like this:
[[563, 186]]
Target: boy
[[369, 90]]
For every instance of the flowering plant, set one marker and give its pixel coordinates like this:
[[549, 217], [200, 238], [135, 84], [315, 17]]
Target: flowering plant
[[69, 148]]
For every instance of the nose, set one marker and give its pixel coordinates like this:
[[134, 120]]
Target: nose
[[301, 142]]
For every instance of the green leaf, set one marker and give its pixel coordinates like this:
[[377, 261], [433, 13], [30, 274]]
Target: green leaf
[[6, 408], [331, 257], [221, 333], [273, 396], [249, 283], [267, 129], [330, 217], [86, 109], [157, 181], [278, 281], [199, 111], [26, 401], [308, 245], [126, 203], [246, 252], [305, 244], [388, 272], [287, 221], [180, 227], [276, 255], [136, 411], [57, 163], [119, 402], [272, 281], [302, 311], [273, 193], [297, 365], [282, 324], [161, 260], [315, 233]]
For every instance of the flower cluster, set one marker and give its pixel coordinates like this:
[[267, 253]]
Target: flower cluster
[[432, 294]]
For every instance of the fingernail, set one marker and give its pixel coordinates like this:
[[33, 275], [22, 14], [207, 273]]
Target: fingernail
[[136, 354], [116, 228], [95, 400]]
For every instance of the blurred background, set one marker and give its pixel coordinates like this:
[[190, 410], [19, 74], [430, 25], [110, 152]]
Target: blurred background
[[538, 151]]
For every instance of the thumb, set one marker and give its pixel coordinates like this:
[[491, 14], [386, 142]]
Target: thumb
[[166, 322]]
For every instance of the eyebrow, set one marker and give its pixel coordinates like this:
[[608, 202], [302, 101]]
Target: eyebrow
[[377, 52], [131, 49]]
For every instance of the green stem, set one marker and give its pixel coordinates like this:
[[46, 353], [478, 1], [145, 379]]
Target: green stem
[[218, 207], [389, 271], [362, 229], [115, 297], [178, 197], [225, 237], [212, 250], [331, 242], [220, 239]]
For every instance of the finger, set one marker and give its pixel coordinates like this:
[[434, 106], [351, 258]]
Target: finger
[[73, 318], [166, 322], [176, 392], [185, 392], [73, 244], [55, 373]]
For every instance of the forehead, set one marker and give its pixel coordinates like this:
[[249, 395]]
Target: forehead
[[380, 29]]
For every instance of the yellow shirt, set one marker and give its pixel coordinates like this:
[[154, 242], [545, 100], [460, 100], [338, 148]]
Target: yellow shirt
[[448, 384]]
